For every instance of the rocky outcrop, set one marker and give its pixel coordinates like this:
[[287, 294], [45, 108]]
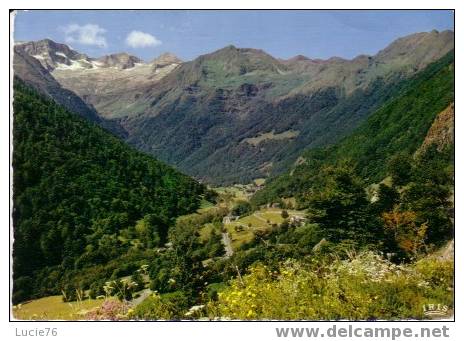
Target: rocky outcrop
[[441, 132], [118, 60], [165, 59]]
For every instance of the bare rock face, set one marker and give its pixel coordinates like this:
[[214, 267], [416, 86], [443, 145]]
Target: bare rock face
[[117, 83], [52, 55], [441, 132], [165, 59], [118, 60], [55, 56]]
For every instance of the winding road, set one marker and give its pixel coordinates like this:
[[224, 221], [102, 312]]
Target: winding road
[[143, 295], [227, 244]]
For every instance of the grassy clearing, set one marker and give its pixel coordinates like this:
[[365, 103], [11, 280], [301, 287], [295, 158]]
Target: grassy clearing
[[259, 220], [205, 231], [274, 217], [289, 134], [254, 221], [262, 219], [239, 238], [259, 181], [53, 308], [205, 205], [232, 194]]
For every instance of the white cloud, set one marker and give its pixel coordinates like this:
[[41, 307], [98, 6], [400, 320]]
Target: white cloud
[[89, 34], [137, 39]]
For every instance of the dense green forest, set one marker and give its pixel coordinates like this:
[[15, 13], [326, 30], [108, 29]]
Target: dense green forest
[[82, 197], [398, 127]]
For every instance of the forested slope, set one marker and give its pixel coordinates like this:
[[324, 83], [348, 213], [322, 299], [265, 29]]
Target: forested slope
[[79, 192], [399, 127]]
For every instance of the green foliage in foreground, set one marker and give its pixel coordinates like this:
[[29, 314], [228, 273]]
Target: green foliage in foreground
[[81, 196], [170, 306], [364, 287], [398, 127]]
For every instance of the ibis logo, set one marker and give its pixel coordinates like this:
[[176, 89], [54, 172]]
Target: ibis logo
[[435, 309]]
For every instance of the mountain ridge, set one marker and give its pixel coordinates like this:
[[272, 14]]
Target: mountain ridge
[[195, 115], [53, 55]]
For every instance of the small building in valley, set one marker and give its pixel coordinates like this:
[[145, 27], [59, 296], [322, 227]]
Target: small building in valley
[[297, 220], [230, 218]]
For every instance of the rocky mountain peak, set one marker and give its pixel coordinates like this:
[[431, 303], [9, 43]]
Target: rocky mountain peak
[[51, 54], [239, 61], [418, 48], [298, 58], [119, 60], [166, 59]]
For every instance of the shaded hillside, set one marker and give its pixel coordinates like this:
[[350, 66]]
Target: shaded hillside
[[79, 193], [31, 71], [400, 126], [201, 115]]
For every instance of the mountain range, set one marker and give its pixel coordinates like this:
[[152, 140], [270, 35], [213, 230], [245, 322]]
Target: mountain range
[[233, 115]]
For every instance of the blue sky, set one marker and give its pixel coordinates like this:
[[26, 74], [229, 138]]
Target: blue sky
[[188, 34]]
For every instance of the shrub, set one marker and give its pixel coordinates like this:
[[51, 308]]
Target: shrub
[[96, 289], [110, 310], [364, 287], [72, 292], [241, 208], [409, 235], [137, 278], [170, 306]]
